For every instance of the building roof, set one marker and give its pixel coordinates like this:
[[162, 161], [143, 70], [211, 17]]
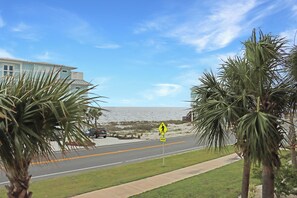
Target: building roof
[[40, 63], [80, 82]]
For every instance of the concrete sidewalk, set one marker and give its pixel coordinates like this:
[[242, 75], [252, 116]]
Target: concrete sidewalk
[[143, 185]]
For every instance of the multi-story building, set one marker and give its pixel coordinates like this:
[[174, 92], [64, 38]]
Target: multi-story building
[[15, 67]]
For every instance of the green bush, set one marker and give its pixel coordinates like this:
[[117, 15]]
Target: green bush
[[252, 191], [257, 172], [286, 181]]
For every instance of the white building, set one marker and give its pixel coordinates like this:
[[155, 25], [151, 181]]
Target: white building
[[15, 67]]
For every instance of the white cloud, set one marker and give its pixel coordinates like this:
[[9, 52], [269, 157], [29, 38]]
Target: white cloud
[[294, 10], [70, 24], [188, 78], [189, 75], [108, 46], [167, 89], [2, 23], [44, 56], [21, 27], [5, 54], [162, 90], [184, 66], [224, 57], [101, 80], [213, 62], [212, 28], [158, 24], [24, 31], [101, 83], [218, 29], [158, 45], [290, 35]]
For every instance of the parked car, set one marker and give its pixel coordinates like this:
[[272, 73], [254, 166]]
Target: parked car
[[96, 132]]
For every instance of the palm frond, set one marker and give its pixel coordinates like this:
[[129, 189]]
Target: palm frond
[[35, 107], [261, 133]]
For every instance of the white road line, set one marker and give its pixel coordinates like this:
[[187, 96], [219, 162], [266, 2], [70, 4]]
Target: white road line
[[111, 164], [166, 154], [70, 171], [76, 170], [2, 183]]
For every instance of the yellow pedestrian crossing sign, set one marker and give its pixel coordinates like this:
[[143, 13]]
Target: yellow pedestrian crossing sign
[[162, 128], [162, 139]]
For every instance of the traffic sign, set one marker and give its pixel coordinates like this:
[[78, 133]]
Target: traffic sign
[[162, 128], [162, 139]]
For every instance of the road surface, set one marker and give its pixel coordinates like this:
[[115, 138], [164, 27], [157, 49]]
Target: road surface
[[106, 156]]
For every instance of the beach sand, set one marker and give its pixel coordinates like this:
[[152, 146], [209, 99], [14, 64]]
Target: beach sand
[[173, 131]]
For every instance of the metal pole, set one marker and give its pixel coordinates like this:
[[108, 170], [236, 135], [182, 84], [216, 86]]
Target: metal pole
[[163, 154]]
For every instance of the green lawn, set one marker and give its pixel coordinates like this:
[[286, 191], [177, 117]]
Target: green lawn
[[93, 180], [221, 182]]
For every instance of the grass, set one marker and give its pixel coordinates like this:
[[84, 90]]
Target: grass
[[221, 182], [93, 180]]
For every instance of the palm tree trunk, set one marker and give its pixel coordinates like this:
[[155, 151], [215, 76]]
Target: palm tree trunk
[[292, 135], [19, 182], [293, 153], [18, 188], [245, 177], [267, 180]]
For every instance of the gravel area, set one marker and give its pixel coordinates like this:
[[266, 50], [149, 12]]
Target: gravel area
[[173, 131], [101, 142]]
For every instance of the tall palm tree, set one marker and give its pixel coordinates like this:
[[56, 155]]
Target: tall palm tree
[[220, 102], [262, 127], [236, 75], [252, 106], [35, 107], [291, 64]]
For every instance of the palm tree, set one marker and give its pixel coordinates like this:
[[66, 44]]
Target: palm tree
[[220, 102], [35, 106], [93, 113], [236, 75], [291, 64], [250, 100], [262, 127]]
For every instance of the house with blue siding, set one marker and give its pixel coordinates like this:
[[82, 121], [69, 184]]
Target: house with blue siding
[[13, 67]]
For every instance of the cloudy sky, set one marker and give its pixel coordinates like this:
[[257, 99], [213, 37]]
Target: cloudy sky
[[139, 52]]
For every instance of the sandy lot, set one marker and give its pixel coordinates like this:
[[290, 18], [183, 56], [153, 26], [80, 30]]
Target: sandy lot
[[101, 142], [173, 131]]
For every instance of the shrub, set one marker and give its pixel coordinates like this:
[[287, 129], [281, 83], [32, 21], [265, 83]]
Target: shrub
[[286, 181], [252, 191]]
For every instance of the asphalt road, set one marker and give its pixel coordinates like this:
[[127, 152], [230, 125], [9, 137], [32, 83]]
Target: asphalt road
[[106, 156]]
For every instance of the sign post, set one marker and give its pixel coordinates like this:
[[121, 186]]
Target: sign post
[[163, 130], [163, 164]]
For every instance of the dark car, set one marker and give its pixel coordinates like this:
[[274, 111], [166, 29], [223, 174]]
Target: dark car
[[97, 132]]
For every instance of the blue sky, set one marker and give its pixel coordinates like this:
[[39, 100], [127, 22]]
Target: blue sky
[[139, 52]]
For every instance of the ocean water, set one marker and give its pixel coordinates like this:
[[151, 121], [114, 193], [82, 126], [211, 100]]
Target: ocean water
[[118, 114]]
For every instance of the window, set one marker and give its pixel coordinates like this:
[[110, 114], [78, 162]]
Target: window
[[8, 70]]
